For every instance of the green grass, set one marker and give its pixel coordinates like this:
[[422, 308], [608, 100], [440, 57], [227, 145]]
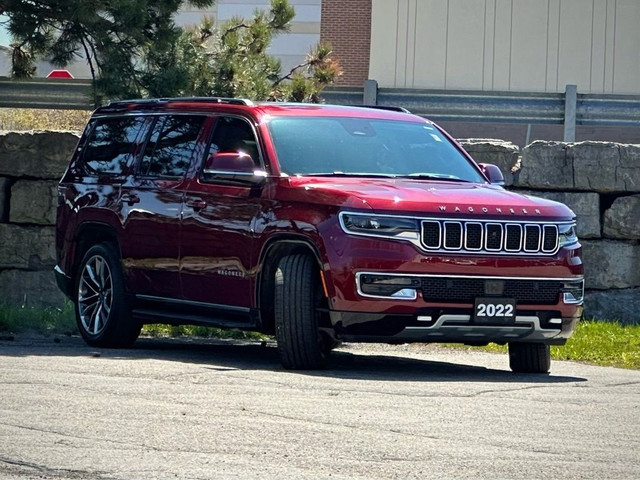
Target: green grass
[[159, 330], [599, 343], [596, 342], [15, 319]]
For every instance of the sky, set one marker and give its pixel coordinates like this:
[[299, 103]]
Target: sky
[[5, 38]]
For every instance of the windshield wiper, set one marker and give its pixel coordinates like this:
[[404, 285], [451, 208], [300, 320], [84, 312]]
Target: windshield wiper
[[349, 174], [436, 176]]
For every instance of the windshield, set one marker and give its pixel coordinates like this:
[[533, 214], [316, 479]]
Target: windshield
[[367, 147]]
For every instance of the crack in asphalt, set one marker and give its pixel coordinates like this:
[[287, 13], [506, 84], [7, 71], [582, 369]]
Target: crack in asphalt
[[115, 442], [331, 424], [78, 437], [333, 390], [624, 384], [55, 472]]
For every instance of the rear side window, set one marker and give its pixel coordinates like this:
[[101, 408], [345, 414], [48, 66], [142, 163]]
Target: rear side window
[[171, 145], [110, 146]]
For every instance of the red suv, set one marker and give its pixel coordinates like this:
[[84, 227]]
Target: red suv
[[315, 223]]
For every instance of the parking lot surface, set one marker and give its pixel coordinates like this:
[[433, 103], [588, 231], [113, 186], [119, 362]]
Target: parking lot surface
[[203, 409]]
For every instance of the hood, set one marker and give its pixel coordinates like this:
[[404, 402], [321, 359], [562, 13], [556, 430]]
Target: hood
[[425, 197]]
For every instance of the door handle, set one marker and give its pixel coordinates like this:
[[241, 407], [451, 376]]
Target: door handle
[[196, 204], [130, 199]]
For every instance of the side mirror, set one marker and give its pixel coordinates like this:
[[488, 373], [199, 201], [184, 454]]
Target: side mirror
[[493, 173], [236, 168], [229, 162]]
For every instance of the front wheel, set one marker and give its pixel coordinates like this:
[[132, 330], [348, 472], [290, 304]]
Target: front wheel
[[297, 297], [103, 314], [529, 357]]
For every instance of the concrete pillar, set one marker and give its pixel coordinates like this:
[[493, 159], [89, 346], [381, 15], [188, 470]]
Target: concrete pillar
[[370, 96], [570, 106]]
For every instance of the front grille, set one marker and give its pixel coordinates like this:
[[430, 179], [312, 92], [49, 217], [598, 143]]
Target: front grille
[[465, 290], [489, 237]]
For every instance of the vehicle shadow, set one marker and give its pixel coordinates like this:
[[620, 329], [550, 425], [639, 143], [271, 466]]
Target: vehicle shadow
[[216, 354]]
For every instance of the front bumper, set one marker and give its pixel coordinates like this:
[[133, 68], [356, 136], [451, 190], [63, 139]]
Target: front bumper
[[438, 326]]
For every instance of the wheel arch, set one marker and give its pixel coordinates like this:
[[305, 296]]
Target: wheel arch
[[89, 234], [272, 253]]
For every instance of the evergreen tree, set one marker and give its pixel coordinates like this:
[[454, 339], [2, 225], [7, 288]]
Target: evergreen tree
[[112, 35], [134, 49], [233, 61]]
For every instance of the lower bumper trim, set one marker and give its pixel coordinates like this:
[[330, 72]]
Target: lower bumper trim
[[456, 328]]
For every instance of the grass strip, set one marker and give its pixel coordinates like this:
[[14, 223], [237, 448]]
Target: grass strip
[[17, 319], [161, 330], [608, 344]]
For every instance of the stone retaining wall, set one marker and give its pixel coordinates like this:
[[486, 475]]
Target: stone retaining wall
[[599, 181], [30, 165]]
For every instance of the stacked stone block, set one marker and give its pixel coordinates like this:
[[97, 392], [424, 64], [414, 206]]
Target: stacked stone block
[[31, 163]]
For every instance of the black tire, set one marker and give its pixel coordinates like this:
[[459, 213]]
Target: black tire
[[103, 313], [297, 295], [529, 357]]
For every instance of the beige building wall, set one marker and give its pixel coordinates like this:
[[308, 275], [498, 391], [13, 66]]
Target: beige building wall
[[512, 45]]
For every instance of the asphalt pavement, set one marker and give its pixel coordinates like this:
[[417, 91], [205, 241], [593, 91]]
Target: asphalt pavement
[[199, 409]]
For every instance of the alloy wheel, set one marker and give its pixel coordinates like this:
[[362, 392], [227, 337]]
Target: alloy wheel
[[95, 295]]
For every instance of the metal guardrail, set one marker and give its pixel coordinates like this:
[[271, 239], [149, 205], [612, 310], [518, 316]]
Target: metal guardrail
[[504, 107], [438, 105], [46, 93]]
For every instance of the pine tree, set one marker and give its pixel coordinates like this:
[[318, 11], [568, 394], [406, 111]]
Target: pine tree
[[134, 49], [233, 61], [111, 35]]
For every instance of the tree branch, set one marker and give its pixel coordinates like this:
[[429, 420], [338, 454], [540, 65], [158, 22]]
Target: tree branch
[[233, 29], [291, 73]]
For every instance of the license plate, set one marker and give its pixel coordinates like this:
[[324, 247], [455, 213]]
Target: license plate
[[494, 310]]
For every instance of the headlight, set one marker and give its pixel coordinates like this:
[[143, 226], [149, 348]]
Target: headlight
[[380, 225], [567, 235]]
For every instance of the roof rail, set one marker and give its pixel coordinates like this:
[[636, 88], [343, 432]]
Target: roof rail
[[155, 101], [391, 108]]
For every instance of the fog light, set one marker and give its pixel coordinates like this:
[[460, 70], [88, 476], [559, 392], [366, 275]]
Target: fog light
[[387, 286], [405, 294], [573, 292]]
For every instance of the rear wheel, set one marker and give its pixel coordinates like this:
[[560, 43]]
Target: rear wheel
[[103, 314], [298, 295], [529, 357]]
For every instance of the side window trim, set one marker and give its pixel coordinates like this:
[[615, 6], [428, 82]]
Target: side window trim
[[158, 124], [88, 135], [229, 173], [156, 119]]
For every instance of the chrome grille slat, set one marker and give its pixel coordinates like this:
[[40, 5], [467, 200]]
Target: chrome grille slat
[[513, 242], [453, 235], [477, 236], [431, 234], [493, 236], [532, 238]]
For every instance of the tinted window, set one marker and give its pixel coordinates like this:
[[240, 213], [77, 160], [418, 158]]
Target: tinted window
[[362, 146], [234, 135], [110, 147], [170, 147]]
